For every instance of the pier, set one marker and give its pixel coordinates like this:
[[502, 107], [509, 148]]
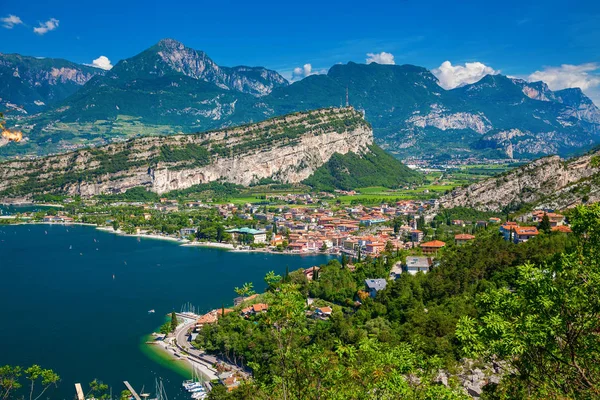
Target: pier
[[133, 392], [79, 391]]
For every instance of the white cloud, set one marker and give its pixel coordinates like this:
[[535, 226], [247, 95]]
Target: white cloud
[[10, 21], [451, 76], [304, 71], [101, 62], [583, 76], [380, 58], [47, 26]]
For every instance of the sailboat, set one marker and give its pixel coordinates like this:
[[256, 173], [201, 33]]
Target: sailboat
[[161, 394], [195, 386]]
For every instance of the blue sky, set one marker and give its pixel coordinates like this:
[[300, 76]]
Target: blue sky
[[515, 38]]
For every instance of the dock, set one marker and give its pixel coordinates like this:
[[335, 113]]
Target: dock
[[79, 391], [133, 392]]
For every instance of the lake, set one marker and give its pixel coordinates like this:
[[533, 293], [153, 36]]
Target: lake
[[61, 307]]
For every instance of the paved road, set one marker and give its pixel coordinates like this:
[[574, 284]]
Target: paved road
[[197, 357]]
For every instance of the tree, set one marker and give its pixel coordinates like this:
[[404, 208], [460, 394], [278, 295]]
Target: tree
[[115, 225], [546, 326], [165, 328], [47, 378], [9, 380], [174, 321], [344, 260], [220, 233], [545, 224], [272, 280], [125, 395], [246, 290], [389, 247], [98, 390]]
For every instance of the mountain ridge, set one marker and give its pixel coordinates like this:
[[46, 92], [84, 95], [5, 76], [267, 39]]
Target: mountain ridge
[[287, 149], [170, 88]]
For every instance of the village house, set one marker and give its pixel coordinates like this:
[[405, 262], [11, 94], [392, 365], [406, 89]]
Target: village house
[[258, 236], [562, 228], [416, 235], [277, 240], [230, 380], [524, 233], [374, 286], [507, 229], [432, 247], [255, 309], [210, 317], [554, 218], [184, 232], [310, 272], [323, 313], [417, 264], [463, 238]]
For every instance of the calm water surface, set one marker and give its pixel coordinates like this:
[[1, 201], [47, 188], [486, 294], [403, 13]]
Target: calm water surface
[[61, 308]]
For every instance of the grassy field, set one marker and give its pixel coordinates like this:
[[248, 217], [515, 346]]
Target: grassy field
[[436, 184]]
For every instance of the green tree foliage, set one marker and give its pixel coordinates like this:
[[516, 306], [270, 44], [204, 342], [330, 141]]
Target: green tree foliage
[[334, 284], [351, 171], [544, 225], [272, 280], [174, 321], [98, 390], [46, 378], [546, 324], [247, 289]]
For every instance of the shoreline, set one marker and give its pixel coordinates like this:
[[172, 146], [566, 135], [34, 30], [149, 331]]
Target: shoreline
[[167, 349], [119, 232], [182, 242], [28, 203]]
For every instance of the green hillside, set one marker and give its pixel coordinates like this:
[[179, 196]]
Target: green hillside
[[351, 171]]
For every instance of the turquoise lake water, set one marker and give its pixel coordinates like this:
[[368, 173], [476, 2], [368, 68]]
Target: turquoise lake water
[[61, 308]]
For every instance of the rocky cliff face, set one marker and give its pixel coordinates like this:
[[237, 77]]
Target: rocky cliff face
[[286, 149], [548, 182]]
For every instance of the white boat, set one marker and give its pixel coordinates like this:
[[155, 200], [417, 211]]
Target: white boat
[[193, 386], [151, 311]]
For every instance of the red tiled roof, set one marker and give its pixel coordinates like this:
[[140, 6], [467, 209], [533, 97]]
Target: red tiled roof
[[464, 236], [434, 243], [562, 228], [526, 230]]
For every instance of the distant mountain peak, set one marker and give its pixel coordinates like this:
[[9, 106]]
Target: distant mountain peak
[[168, 42]]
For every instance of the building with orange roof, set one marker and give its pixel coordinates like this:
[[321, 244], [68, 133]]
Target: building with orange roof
[[463, 238], [432, 247], [374, 247], [562, 228], [524, 233]]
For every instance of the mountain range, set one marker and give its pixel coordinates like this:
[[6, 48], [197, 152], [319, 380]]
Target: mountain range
[[170, 88]]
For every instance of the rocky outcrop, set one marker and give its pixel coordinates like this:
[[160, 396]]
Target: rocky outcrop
[[28, 84], [286, 149], [549, 182], [445, 121]]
